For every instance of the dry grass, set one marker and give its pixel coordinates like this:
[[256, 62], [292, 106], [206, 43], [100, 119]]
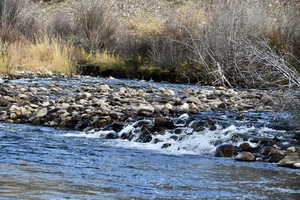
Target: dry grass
[[42, 56], [104, 60]]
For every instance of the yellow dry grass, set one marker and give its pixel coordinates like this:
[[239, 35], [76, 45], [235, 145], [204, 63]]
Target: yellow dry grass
[[43, 55], [103, 59]]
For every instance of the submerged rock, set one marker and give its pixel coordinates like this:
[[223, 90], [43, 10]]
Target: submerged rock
[[166, 145], [111, 135]]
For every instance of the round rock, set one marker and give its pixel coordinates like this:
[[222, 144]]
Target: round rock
[[245, 156]]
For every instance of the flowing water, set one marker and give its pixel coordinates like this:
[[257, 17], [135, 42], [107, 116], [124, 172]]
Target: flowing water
[[44, 163]]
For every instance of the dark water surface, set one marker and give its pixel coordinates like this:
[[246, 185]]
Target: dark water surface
[[43, 163]]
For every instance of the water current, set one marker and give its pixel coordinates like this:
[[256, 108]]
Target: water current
[[43, 163]]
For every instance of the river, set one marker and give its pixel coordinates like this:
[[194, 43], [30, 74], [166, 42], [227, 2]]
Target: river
[[44, 163]]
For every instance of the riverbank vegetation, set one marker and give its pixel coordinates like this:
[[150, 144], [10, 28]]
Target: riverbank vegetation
[[230, 43]]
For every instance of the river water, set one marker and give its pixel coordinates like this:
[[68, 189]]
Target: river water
[[44, 163]]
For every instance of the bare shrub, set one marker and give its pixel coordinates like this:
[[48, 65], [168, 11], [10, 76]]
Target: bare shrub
[[9, 14], [10, 11], [166, 47], [60, 26], [228, 48], [95, 24]]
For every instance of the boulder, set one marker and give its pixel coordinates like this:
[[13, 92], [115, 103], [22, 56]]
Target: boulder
[[162, 123], [226, 150], [291, 160], [245, 156], [267, 150], [291, 149], [275, 157], [245, 147]]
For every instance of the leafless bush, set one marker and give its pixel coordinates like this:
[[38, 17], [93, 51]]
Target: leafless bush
[[16, 20], [275, 67], [60, 26], [95, 24], [233, 49], [9, 13]]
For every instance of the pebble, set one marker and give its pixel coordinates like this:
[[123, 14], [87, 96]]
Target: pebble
[[41, 113]]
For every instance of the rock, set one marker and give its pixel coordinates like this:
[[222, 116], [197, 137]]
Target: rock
[[158, 107], [111, 135], [192, 99], [23, 96], [104, 88], [65, 106], [245, 156], [179, 131], [41, 113], [290, 160], [45, 104], [169, 92], [144, 124], [267, 150], [275, 157], [166, 145], [245, 147], [13, 108], [144, 109], [184, 107], [226, 150], [174, 137], [115, 126], [86, 95], [83, 102], [267, 99], [168, 106], [198, 125], [163, 123], [3, 115], [296, 165], [144, 137], [291, 149], [184, 117]]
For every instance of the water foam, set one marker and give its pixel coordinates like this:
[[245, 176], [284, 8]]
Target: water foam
[[188, 142]]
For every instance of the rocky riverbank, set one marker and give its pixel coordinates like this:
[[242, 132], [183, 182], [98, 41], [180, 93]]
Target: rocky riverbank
[[152, 109]]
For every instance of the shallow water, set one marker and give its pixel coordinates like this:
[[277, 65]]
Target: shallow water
[[44, 163]]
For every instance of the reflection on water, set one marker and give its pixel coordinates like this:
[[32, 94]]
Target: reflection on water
[[39, 163]]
